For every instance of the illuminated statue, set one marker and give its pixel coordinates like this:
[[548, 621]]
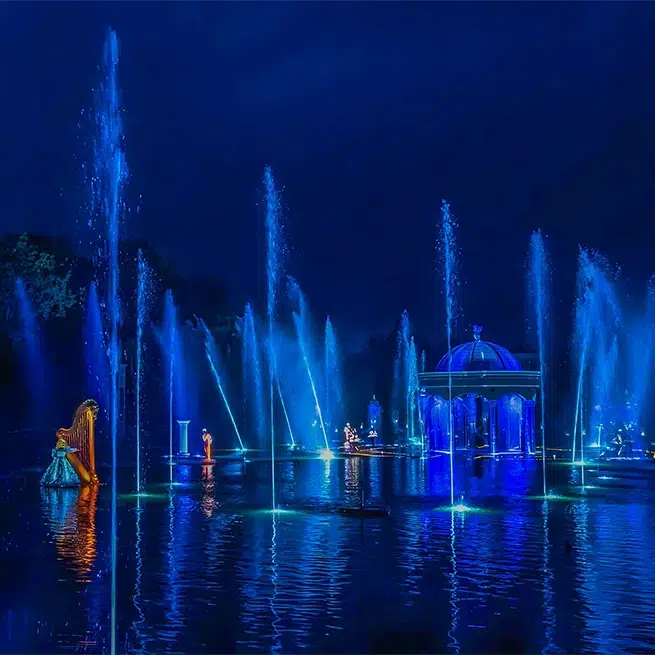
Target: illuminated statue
[[207, 445], [60, 473], [374, 413], [75, 451]]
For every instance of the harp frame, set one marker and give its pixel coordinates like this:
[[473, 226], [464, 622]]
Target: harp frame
[[81, 436]]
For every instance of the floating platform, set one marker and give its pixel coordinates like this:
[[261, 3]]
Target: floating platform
[[365, 511], [375, 451], [632, 463], [227, 456]]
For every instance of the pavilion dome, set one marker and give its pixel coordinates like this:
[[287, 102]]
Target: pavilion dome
[[478, 355]]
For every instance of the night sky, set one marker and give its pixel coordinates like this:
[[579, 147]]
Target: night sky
[[522, 115]]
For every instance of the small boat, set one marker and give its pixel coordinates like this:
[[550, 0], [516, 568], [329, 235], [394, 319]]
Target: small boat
[[365, 511]]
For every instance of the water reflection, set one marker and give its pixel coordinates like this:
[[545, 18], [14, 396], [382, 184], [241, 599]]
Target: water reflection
[[203, 570], [71, 516], [453, 643], [549, 617]]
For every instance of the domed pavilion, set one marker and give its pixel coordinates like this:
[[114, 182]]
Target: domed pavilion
[[494, 401]]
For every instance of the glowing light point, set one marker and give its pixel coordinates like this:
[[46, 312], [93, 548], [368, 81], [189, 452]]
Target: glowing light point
[[461, 508], [326, 454]]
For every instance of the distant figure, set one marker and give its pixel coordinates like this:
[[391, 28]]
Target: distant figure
[[372, 435], [207, 445], [60, 473], [617, 442]]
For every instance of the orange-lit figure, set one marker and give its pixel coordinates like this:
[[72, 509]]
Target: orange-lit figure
[[207, 443]]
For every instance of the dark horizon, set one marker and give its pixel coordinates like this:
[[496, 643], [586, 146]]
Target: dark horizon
[[521, 116]]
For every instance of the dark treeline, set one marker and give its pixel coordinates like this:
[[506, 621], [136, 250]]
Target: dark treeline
[[56, 281]]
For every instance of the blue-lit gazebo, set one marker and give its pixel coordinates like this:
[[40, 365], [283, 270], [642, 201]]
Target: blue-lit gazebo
[[494, 401]]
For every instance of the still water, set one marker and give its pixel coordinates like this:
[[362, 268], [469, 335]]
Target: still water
[[204, 569]]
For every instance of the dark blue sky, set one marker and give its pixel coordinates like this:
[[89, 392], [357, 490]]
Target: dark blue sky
[[522, 115]]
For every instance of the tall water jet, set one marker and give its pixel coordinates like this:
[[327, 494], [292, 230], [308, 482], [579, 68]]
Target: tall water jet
[[143, 305], [274, 272], [597, 322], [333, 381], [400, 394], [95, 348], [303, 350], [211, 350], [169, 344], [252, 373], [582, 337], [412, 393], [110, 174], [538, 276], [641, 345], [30, 336], [447, 247], [301, 319]]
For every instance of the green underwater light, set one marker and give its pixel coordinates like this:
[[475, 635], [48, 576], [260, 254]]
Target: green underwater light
[[460, 508]]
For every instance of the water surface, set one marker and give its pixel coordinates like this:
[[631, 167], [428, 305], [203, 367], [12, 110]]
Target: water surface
[[202, 568]]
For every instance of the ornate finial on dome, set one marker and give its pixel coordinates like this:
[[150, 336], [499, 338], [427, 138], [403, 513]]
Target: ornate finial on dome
[[477, 329]]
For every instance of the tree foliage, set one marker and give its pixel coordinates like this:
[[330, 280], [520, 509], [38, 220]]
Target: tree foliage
[[47, 280]]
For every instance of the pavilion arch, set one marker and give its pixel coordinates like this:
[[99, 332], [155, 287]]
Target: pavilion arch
[[494, 401]]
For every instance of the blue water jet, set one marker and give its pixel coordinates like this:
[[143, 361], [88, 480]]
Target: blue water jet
[[333, 380], [447, 248], [211, 350], [95, 348], [252, 374], [400, 393], [169, 338], [110, 174], [31, 341], [303, 349], [539, 272], [305, 381], [641, 356], [412, 393], [274, 277], [144, 293], [597, 319]]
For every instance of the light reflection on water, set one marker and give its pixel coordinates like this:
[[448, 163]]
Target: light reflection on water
[[203, 570]]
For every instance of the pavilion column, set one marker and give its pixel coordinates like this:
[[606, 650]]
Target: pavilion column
[[493, 424], [527, 427]]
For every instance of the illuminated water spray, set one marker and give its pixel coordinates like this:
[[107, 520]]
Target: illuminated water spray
[[110, 174], [333, 381], [97, 363], [412, 392], [582, 336], [169, 344], [641, 346], [303, 349], [213, 358], [597, 323], [31, 341], [143, 303], [538, 275], [447, 247], [252, 373], [401, 376], [274, 272]]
